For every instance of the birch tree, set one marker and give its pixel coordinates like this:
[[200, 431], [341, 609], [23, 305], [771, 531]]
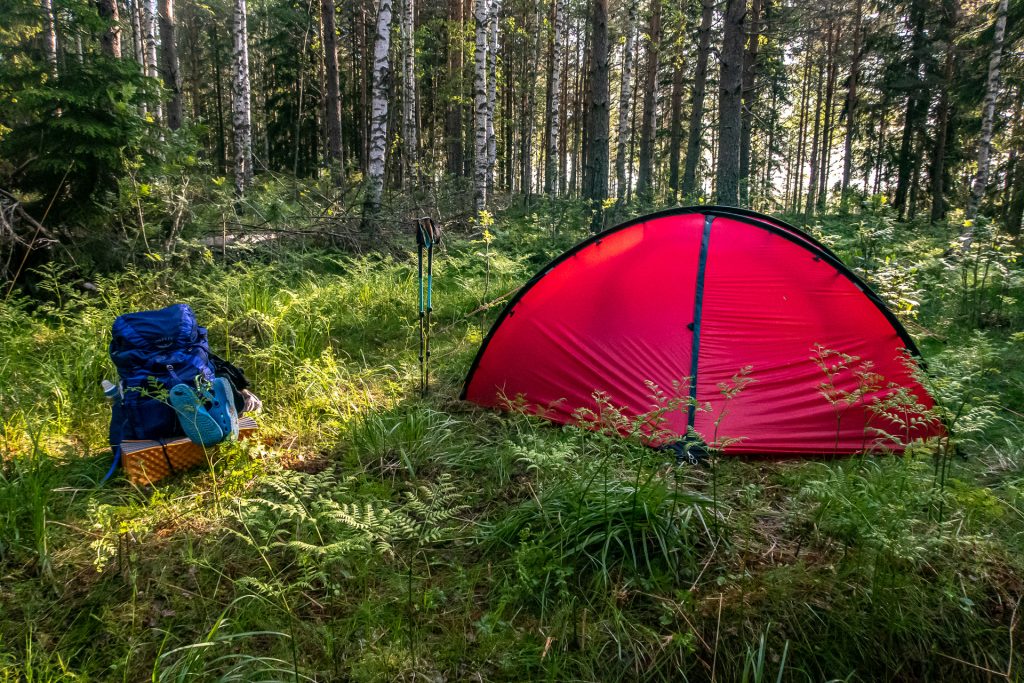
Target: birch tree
[[379, 109], [554, 94], [988, 113], [480, 109], [241, 118], [625, 98], [169, 63], [49, 36], [492, 89], [409, 127], [149, 22]]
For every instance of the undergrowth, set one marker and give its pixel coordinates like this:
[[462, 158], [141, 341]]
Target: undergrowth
[[373, 535]]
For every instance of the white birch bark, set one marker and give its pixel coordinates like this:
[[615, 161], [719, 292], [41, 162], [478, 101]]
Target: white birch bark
[[49, 36], [138, 46], [241, 117], [625, 98], [409, 137], [988, 113], [480, 109], [379, 108], [555, 85], [492, 91], [149, 25]]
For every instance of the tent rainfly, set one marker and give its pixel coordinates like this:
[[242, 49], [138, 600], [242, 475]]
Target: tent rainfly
[[690, 300]]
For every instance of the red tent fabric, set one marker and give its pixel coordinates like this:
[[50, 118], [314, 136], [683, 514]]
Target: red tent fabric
[[693, 300]]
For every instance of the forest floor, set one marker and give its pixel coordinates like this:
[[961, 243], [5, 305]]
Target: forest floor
[[373, 535]]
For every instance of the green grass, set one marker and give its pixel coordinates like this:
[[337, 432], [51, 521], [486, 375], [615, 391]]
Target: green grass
[[373, 535]]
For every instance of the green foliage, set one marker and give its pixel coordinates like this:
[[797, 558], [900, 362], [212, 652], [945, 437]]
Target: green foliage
[[375, 535]]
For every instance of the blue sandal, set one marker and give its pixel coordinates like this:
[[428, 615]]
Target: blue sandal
[[223, 409], [199, 425]]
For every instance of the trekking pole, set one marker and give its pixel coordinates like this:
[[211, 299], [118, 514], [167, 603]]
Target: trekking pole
[[420, 244], [427, 234]]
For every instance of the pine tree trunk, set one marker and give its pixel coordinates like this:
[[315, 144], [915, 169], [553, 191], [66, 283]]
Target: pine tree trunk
[[332, 103], [749, 92], [826, 123], [693, 138], [988, 113], [218, 90], [812, 182], [595, 170], [169, 64], [676, 131], [730, 104], [915, 96], [49, 36], [453, 112], [480, 15], [625, 99], [526, 183], [554, 93], [110, 39], [649, 123], [851, 106], [410, 143], [801, 144], [937, 172], [241, 118], [379, 110]]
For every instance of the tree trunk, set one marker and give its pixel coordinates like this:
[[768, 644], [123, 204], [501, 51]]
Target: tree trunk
[[649, 122], [218, 90], [110, 40], [554, 93], [410, 143], [937, 172], [801, 144], [730, 104], [526, 184], [905, 166], [676, 132], [851, 106], [826, 122], [625, 99], [453, 113], [49, 36], [749, 92], [241, 119], [988, 113], [595, 170], [169, 62], [693, 138], [332, 103], [379, 109], [812, 182], [492, 89], [480, 15], [149, 21]]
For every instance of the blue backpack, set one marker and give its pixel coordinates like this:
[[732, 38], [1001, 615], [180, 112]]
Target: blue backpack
[[153, 351]]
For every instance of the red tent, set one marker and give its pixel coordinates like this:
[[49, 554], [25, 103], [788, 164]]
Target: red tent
[[696, 301]]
